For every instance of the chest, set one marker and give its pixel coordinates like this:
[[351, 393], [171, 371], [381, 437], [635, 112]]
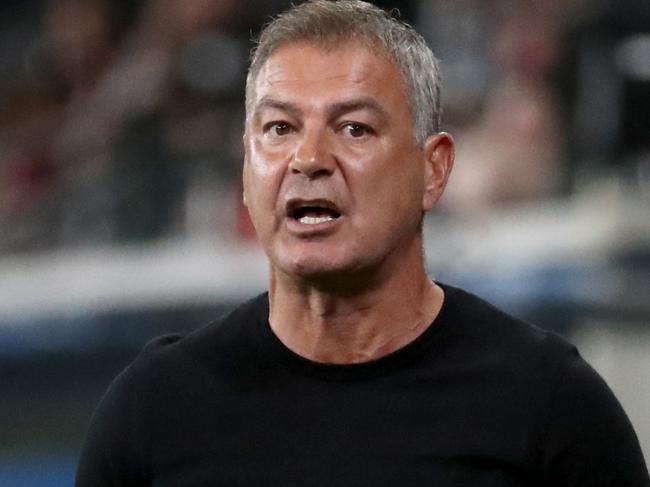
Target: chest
[[419, 430]]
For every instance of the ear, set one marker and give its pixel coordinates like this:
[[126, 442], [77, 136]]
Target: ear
[[439, 150]]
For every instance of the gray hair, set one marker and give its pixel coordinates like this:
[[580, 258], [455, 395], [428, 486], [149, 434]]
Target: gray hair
[[327, 22]]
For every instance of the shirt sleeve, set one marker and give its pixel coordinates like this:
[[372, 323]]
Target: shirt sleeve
[[115, 447], [117, 450], [589, 441]]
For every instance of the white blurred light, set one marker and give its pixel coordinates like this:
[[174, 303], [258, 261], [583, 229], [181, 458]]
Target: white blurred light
[[633, 57]]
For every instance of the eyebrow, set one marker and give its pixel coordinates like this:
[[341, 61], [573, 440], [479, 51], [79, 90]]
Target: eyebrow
[[271, 103], [334, 110], [364, 103]]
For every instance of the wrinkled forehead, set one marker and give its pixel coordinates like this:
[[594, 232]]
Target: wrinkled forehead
[[310, 64], [266, 67]]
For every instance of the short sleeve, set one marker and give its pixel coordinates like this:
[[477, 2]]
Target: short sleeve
[[116, 450], [113, 442], [589, 441]]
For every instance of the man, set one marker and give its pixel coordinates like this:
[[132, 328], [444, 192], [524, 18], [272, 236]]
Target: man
[[355, 368]]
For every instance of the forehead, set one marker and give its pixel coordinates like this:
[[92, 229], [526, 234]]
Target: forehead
[[317, 74]]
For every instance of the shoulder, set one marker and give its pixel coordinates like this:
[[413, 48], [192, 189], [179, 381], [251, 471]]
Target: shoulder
[[222, 342], [576, 416], [169, 375], [484, 329], [497, 350], [503, 356]]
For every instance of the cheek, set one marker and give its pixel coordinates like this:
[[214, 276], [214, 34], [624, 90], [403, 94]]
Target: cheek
[[389, 184], [262, 177], [257, 191], [263, 162]]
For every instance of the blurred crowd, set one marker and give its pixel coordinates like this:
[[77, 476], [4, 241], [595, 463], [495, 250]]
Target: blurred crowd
[[121, 120]]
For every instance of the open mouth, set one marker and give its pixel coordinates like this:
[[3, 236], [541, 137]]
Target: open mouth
[[313, 212]]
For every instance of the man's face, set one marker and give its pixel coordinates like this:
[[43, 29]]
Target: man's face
[[333, 179]]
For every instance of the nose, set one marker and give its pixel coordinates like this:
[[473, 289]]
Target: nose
[[312, 156]]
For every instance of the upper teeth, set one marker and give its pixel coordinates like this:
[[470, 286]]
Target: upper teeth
[[311, 220]]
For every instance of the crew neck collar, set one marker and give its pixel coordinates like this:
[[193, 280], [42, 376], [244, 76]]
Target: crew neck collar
[[386, 364]]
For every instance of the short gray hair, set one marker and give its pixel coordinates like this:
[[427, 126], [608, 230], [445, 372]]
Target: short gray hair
[[326, 22]]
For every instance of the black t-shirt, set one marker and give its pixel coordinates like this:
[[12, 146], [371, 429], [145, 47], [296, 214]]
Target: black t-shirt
[[478, 399]]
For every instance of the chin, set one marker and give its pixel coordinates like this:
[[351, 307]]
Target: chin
[[315, 268], [323, 267]]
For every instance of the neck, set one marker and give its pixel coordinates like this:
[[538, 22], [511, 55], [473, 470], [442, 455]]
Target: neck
[[356, 318]]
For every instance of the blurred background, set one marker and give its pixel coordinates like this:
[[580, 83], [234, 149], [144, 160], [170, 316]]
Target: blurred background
[[121, 215]]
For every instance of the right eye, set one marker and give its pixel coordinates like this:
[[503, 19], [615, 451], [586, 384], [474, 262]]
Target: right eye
[[277, 129]]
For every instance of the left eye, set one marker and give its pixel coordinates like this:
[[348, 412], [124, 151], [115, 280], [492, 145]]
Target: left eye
[[356, 130]]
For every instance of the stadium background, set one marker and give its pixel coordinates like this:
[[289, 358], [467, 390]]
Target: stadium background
[[120, 208]]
